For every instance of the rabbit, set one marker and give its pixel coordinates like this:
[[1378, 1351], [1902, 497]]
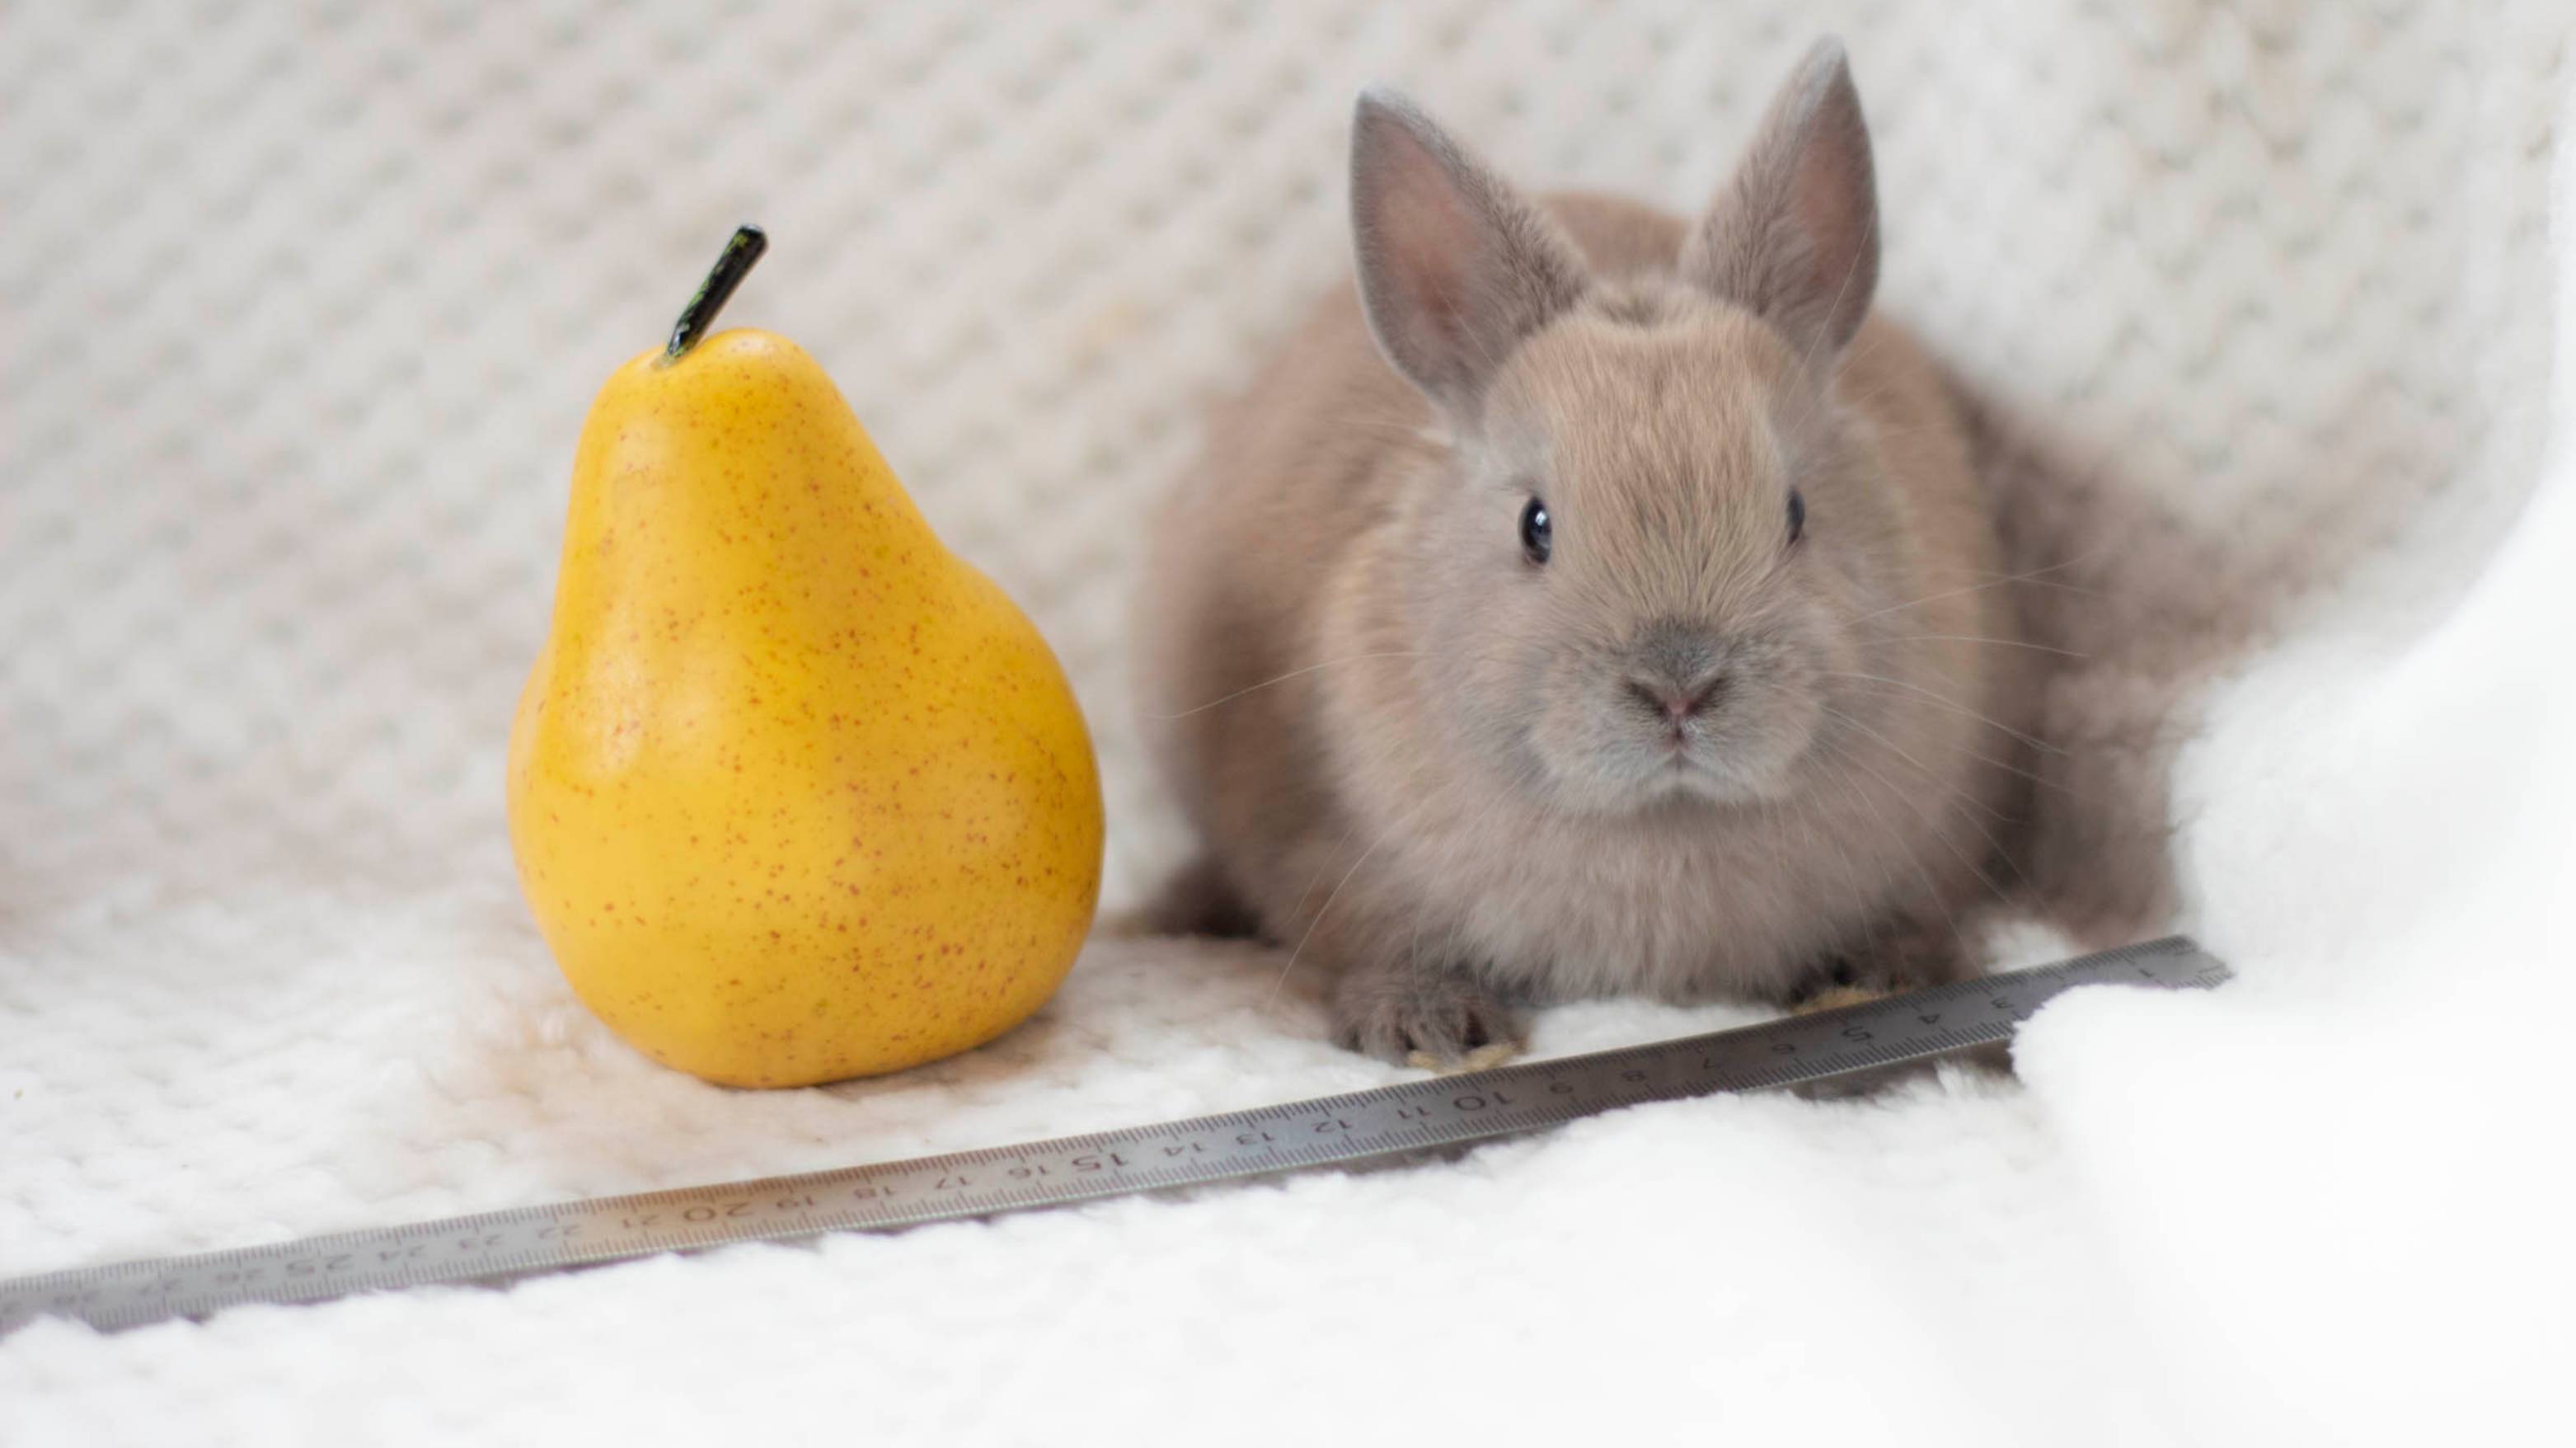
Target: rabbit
[[1584, 602]]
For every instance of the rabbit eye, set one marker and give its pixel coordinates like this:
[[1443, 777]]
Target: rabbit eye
[[1538, 533], [1797, 515]]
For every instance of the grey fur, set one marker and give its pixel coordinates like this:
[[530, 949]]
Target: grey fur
[[1395, 1010], [1418, 759]]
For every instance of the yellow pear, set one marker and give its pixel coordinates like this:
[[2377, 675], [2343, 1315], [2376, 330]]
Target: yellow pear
[[796, 793]]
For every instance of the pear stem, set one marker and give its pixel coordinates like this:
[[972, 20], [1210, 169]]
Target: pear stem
[[745, 248]]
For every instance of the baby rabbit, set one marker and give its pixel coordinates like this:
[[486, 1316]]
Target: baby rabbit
[[1588, 602]]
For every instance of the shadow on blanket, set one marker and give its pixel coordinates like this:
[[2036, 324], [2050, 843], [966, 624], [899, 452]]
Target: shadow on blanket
[[2139, 612]]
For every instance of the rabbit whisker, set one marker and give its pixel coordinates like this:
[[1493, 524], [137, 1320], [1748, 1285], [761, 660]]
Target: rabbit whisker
[[1948, 703]]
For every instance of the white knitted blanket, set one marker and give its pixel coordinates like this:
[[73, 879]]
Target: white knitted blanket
[[301, 306]]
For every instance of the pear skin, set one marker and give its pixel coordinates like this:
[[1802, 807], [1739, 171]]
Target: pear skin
[[796, 793]]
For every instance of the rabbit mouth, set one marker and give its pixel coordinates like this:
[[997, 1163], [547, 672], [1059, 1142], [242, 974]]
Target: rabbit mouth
[[1693, 773], [1684, 767], [1642, 741], [1740, 751]]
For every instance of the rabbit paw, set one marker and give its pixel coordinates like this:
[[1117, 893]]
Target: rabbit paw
[[1435, 1018], [1901, 956]]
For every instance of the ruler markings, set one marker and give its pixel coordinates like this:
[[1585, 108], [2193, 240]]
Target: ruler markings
[[1382, 1122]]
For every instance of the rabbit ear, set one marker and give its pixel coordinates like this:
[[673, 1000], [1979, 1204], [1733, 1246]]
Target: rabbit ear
[[1454, 266], [1794, 236]]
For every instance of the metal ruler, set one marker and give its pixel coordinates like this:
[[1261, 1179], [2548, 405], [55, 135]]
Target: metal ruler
[[1386, 1122]]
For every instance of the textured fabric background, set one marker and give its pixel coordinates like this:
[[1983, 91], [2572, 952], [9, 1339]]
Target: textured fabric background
[[300, 309]]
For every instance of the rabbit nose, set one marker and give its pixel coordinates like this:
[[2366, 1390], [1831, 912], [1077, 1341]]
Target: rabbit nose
[[1674, 702], [1674, 670]]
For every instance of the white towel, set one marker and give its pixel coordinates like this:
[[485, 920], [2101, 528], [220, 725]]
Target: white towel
[[300, 309]]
